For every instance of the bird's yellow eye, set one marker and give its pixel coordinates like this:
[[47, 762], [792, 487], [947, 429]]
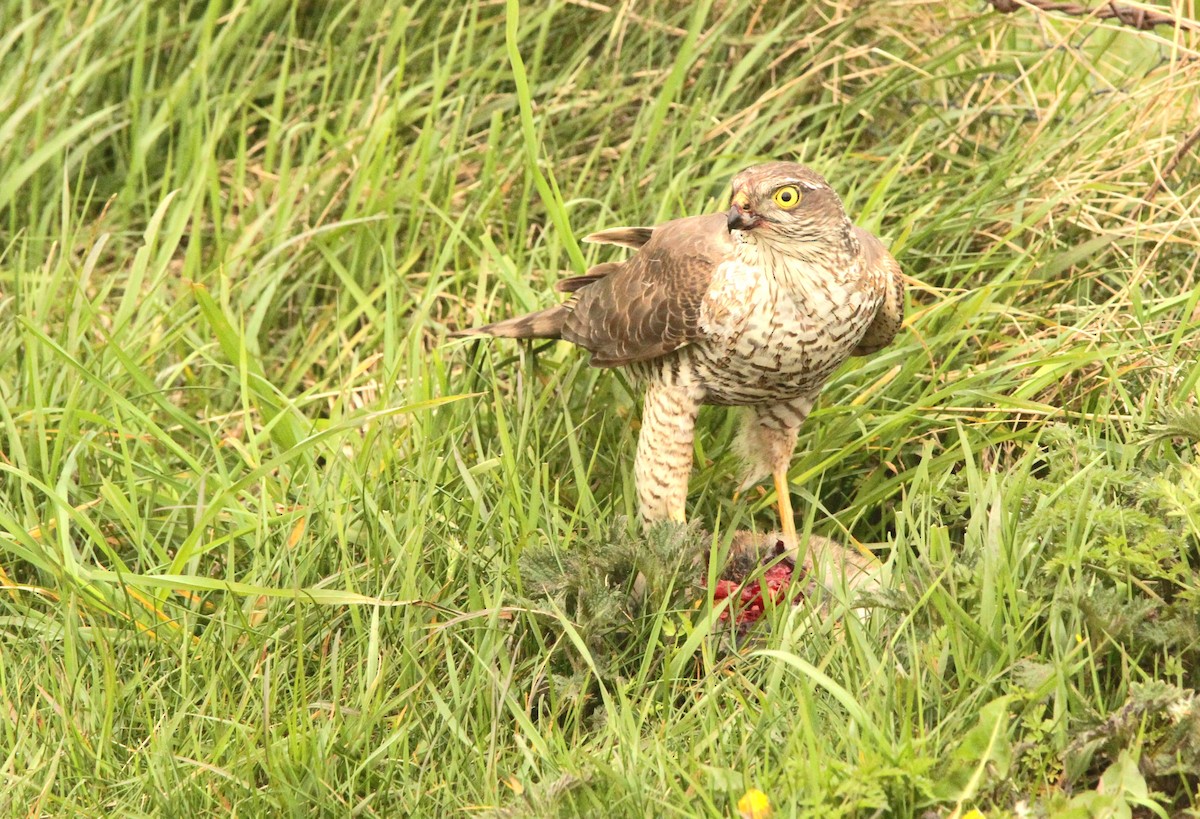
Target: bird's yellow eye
[[787, 197]]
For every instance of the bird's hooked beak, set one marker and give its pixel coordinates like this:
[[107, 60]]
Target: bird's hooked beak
[[740, 217]]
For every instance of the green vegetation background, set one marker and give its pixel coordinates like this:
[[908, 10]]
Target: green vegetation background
[[269, 544]]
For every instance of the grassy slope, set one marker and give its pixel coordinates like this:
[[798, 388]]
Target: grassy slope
[[225, 230]]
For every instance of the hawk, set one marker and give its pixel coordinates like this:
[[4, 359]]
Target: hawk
[[755, 307]]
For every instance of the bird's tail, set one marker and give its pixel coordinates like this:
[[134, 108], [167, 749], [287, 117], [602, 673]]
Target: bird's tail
[[546, 323]]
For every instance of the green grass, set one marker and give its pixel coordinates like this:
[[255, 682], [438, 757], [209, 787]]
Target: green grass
[[270, 544]]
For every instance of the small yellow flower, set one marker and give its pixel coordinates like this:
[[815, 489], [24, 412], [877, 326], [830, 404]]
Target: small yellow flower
[[754, 804], [974, 813]]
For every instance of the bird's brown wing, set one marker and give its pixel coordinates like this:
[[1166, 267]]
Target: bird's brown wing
[[884, 272], [633, 237], [650, 305], [594, 274]]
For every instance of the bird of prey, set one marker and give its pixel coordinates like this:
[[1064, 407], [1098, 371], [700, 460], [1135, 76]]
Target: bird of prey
[[755, 307]]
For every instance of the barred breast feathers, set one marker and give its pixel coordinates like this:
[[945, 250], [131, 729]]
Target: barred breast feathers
[[762, 280]]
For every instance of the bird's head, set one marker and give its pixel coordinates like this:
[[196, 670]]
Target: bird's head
[[786, 203]]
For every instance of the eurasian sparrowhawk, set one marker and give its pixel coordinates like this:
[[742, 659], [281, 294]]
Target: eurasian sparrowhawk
[[755, 307]]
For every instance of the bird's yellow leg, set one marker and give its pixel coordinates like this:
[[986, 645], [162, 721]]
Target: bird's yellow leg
[[787, 520], [753, 490]]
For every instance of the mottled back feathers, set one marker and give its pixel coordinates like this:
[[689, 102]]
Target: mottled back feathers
[[890, 316], [649, 305]]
